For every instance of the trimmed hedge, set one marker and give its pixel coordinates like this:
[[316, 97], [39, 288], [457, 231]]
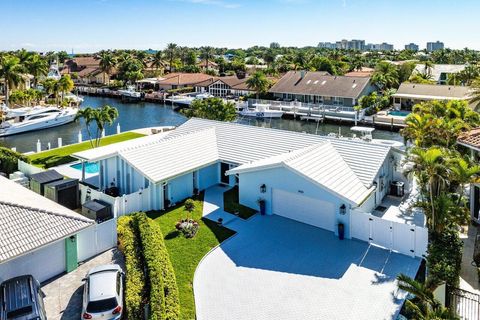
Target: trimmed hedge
[[9, 160], [135, 279], [445, 257], [164, 300]]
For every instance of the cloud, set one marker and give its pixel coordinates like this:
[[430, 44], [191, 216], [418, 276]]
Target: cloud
[[218, 3]]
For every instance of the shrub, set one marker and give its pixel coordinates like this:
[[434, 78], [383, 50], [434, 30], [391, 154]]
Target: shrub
[[164, 301], [445, 257], [135, 279], [9, 160]]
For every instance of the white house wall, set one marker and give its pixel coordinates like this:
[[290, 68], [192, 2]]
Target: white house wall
[[284, 179], [180, 188], [208, 176]]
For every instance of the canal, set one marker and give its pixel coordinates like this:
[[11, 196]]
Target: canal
[[139, 115]]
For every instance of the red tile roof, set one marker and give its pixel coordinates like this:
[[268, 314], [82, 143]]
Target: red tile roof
[[470, 139]]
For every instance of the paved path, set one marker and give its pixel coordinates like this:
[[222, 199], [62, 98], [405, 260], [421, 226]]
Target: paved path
[[276, 268], [63, 296], [468, 275]]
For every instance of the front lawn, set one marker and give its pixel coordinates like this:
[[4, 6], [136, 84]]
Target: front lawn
[[231, 204], [185, 254], [59, 156]]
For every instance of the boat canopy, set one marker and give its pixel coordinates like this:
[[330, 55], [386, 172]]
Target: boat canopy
[[362, 129]]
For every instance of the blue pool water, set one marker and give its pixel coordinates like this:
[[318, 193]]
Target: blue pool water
[[399, 113], [90, 167]]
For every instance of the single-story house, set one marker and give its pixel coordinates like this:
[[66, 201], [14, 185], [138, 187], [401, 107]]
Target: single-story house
[[212, 65], [87, 69], [38, 236], [409, 94], [439, 72], [362, 72], [322, 88], [179, 80], [471, 140], [309, 178], [225, 86]]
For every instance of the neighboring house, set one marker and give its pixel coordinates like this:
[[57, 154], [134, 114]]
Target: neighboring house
[[309, 178], [439, 72], [322, 88], [471, 140], [179, 80], [38, 236], [212, 65], [364, 72], [87, 69], [225, 86], [409, 94]]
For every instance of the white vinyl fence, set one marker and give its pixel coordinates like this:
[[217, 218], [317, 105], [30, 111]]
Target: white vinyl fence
[[97, 239], [28, 169], [400, 237]]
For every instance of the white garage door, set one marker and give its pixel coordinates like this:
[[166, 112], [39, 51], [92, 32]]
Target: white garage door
[[43, 264], [304, 209]]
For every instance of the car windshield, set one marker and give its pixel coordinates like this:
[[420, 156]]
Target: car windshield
[[21, 312], [102, 305]]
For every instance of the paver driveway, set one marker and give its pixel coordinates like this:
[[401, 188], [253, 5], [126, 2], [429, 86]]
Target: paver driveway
[[276, 268]]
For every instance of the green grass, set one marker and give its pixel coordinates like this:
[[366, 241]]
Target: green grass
[[231, 205], [185, 254], [59, 156]]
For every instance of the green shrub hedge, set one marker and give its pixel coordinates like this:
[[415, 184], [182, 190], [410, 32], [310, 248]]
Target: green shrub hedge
[[164, 300], [9, 160], [445, 257], [135, 279]]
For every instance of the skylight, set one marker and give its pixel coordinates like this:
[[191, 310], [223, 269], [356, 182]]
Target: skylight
[[316, 81], [308, 82], [354, 85], [323, 82]]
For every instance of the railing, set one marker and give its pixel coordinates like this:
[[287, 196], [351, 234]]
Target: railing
[[464, 303]]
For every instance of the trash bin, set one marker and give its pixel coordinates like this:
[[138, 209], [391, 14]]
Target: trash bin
[[262, 207], [341, 231]]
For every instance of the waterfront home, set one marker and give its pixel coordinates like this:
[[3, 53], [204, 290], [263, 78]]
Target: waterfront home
[[325, 182], [87, 69], [178, 80], [212, 65], [409, 94], [439, 72], [471, 140], [225, 86], [38, 236], [322, 88]]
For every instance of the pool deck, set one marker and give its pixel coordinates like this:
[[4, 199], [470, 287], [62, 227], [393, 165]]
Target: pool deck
[[68, 171]]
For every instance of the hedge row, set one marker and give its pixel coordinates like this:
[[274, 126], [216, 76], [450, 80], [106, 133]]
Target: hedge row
[[445, 257], [9, 160], [135, 279], [164, 300]]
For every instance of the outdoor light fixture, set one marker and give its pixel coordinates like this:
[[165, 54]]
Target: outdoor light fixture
[[263, 188], [343, 209]]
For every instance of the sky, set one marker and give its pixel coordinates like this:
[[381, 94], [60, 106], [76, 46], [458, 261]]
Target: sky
[[91, 25]]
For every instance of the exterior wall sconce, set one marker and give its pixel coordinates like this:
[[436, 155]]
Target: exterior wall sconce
[[263, 188], [343, 209]]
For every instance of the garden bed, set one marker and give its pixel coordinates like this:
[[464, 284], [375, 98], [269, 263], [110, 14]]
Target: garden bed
[[231, 204]]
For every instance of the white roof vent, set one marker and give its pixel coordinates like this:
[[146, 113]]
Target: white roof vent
[[316, 81], [308, 82], [323, 82], [354, 85]]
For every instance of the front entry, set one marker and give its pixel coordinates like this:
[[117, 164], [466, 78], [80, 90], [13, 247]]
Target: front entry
[[224, 167]]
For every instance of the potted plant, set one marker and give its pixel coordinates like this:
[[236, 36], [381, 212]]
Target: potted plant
[[261, 204]]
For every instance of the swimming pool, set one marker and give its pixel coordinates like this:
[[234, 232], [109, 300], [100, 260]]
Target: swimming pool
[[90, 167], [399, 113]]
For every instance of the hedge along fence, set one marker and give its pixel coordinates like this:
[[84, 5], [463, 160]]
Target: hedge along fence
[[135, 278], [164, 300]]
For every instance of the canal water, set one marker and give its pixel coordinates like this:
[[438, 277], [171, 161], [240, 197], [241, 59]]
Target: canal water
[[139, 115]]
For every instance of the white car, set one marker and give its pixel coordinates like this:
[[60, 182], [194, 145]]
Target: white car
[[103, 293]]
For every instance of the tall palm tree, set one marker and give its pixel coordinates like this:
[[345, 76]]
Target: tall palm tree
[[11, 71], [207, 53], [428, 66], [37, 66], [463, 173], [171, 52], [474, 94], [107, 63], [258, 82], [102, 117], [88, 115], [385, 75], [65, 84], [158, 60]]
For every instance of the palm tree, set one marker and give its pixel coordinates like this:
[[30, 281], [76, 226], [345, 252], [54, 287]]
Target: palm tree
[[258, 82], [428, 65], [463, 173], [207, 54], [385, 75], [37, 66], [11, 71], [88, 115], [158, 60], [105, 115], [172, 52], [107, 63], [65, 84]]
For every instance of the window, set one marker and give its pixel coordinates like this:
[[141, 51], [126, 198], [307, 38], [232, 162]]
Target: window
[[102, 305], [119, 283]]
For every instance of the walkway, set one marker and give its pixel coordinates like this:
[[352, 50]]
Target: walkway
[[468, 276]]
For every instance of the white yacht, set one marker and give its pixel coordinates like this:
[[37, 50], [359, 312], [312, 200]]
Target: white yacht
[[73, 98], [35, 118], [129, 94], [53, 72], [366, 135], [261, 110]]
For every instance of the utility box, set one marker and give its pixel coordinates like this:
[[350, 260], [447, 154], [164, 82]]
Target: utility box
[[97, 210], [64, 192], [39, 180]]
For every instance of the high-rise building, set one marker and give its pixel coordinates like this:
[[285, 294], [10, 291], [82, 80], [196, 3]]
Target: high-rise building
[[379, 46], [433, 46], [411, 46], [327, 45]]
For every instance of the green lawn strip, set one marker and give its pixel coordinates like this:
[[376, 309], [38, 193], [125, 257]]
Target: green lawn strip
[[59, 156], [231, 204], [185, 254]]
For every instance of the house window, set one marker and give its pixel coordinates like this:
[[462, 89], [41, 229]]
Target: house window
[[397, 100]]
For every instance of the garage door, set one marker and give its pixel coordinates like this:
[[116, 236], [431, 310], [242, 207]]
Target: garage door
[[43, 264], [304, 209]]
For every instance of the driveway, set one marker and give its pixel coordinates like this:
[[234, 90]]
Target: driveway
[[276, 268], [63, 295]]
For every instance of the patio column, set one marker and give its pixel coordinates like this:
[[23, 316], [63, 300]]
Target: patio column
[[83, 171]]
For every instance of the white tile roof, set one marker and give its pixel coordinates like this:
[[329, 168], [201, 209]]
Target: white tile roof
[[322, 165], [172, 156], [437, 69], [29, 221], [238, 143]]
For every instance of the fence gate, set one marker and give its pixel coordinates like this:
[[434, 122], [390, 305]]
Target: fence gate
[[465, 304]]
